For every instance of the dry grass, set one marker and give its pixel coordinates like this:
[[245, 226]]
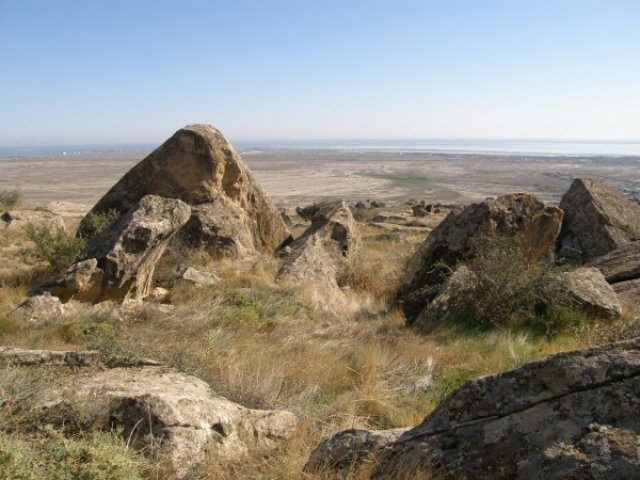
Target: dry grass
[[266, 345]]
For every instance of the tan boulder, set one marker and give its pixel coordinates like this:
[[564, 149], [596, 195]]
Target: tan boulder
[[19, 219], [119, 263], [39, 309], [597, 220], [519, 216], [323, 255], [231, 213], [162, 412]]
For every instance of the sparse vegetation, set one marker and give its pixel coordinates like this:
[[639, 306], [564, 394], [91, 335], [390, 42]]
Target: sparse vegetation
[[59, 250], [505, 290], [264, 345], [9, 199]]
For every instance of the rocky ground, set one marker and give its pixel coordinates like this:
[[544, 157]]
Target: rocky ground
[[200, 330]]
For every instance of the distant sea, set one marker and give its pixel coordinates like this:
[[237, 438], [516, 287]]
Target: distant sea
[[493, 147]]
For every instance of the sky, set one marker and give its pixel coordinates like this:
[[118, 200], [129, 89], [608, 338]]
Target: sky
[[134, 71]]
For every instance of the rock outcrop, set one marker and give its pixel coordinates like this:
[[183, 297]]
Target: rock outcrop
[[597, 220], [158, 410], [231, 214], [323, 255], [19, 357], [19, 219], [39, 309], [571, 415], [119, 263], [589, 291], [621, 264], [520, 216]]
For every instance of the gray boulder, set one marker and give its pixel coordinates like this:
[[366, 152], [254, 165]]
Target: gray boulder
[[119, 263], [323, 255], [570, 415], [620, 264], [597, 220], [589, 291], [39, 309], [231, 214], [530, 223]]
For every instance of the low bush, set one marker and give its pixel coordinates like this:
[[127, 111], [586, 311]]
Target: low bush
[[505, 290], [9, 199], [58, 249]]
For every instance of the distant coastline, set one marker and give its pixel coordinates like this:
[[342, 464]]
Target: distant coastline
[[489, 147]]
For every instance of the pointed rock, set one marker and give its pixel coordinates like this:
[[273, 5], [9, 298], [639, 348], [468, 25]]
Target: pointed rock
[[322, 256], [597, 220], [231, 214]]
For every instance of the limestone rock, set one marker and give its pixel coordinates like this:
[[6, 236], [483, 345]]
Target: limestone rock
[[197, 277], [119, 263], [19, 219], [163, 412], [231, 213], [448, 302], [621, 264], [67, 209], [40, 308], [597, 220], [519, 216], [18, 357], [629, 291], [571, 415], [590, 292], [349, 447], [324, 252]]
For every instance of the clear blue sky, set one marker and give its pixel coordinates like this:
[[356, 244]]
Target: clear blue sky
[[115, 71]]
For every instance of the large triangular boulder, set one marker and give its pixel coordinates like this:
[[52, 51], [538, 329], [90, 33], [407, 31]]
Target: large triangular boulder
[[322, 256], [120, 262], [531, 224], [231, 214], [597, 220], [573, 415]]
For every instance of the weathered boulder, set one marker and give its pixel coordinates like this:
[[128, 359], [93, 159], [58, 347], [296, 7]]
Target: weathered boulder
[[39, 309], [597, 220], [628, 291], [19, 219], [589, 291], [323, 255], [570, 415], [349, 447], [520, 216], [231, 214], [119, 263], [19, 357], [445, 307], [157, 410], [199, 278], [621, 264]]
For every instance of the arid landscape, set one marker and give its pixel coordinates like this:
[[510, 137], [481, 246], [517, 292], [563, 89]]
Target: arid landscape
[[296, 177], [317, 314]]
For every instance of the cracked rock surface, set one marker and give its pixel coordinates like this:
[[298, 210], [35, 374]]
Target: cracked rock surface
[[160, 411], [573, 415]]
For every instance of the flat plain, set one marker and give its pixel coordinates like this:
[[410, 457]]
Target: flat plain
[[293, 177]]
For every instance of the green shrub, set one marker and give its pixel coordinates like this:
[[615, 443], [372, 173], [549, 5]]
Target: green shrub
[[60, 250], [505, 290], [9, 198], [94, 223], [56, 248]]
